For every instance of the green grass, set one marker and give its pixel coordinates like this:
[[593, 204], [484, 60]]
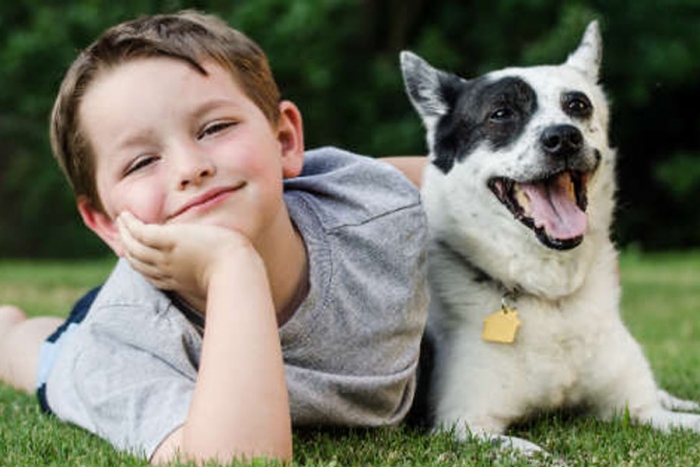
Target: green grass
[[661, 305]]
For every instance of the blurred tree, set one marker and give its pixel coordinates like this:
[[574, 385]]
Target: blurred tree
[[338, 59]]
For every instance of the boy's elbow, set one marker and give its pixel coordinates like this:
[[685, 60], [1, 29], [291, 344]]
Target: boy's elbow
[[208, 449], [267, 450], [283, 455]]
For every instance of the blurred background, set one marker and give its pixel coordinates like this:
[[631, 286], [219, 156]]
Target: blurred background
[[338, 60]]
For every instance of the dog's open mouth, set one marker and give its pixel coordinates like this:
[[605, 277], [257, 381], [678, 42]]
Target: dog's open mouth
[[553, 207]]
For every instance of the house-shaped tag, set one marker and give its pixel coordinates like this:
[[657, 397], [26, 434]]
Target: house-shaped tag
[[501, 326]]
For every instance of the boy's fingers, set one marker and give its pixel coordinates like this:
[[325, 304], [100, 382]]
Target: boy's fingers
[[133, 248], [154, 274], [152, 235]]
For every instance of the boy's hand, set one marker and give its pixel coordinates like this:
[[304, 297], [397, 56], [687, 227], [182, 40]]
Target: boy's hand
[[179, 257], [240, 404]]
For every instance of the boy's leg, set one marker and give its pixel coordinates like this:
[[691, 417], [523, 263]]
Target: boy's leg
[[20, 341]]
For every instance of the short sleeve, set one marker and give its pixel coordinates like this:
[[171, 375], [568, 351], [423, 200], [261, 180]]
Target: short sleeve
[[127, 381]]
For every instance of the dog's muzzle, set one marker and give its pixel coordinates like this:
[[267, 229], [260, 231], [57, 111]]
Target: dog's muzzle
[[553, 205]]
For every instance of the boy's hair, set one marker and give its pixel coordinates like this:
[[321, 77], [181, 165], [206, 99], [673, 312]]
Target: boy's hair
[[189, 36]]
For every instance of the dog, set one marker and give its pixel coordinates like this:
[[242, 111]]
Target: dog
[[519, 193]]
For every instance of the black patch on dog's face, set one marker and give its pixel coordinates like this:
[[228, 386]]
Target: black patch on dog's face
[[481, 110]]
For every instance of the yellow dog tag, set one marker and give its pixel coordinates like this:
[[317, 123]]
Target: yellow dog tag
[[501, 326]]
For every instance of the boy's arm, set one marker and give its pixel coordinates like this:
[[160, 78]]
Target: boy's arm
[[240, 406], [411, 166]]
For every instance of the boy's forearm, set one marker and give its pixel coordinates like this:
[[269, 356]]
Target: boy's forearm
[[411, 166], [240, 405]]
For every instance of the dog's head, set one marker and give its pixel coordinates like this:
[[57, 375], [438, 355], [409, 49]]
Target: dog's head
[[519, 143]]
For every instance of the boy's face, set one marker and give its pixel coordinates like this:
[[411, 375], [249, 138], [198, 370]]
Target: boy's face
[[173, 145]]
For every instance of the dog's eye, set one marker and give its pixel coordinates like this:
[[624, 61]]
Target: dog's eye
[[501, 114], [577, 105]]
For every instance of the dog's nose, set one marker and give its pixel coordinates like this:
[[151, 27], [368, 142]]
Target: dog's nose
[[561, 140]]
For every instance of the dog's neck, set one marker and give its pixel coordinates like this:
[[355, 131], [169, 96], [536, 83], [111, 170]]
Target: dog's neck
[[538, 280], [481, 276]]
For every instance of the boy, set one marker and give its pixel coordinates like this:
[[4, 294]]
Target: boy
[[237, 304]]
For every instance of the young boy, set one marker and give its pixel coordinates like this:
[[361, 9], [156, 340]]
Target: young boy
[[258, 286]]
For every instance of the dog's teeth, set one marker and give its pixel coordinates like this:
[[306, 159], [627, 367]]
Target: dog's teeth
[[572, 189], [523, 199], [569, 185]]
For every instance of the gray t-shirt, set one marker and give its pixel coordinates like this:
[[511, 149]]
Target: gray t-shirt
[[128, 370]]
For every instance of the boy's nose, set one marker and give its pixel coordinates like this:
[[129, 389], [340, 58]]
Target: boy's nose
[[193, 169]]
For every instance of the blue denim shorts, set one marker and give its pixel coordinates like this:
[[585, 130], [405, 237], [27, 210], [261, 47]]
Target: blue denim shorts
[[51, 347]]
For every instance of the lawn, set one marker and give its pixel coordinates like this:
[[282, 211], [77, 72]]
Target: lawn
[[661, 305]]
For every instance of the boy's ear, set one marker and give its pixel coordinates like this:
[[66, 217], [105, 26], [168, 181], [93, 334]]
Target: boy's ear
[[290, 134], [101, 224]]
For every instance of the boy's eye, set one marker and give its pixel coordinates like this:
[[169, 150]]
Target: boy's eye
[[139, 163], [214, 128]]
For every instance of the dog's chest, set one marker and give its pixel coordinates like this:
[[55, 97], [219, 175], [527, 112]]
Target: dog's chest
[[557, 347], [561, 348]]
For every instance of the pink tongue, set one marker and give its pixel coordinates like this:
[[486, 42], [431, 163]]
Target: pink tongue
[[554, 208]]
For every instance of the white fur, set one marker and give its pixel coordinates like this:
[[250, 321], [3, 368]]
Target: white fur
[[572, 348]]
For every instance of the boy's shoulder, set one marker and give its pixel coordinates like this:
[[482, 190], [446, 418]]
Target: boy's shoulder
[[347, 188]]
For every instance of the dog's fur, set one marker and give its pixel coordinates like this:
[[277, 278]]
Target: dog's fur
[[520, 198]]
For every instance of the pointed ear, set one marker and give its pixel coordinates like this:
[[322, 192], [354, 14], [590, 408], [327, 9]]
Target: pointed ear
[[101, 224], [431, 91], [434, 94], [290, 134], [588, 56]]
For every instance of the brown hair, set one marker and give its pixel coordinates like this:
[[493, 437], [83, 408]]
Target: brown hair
[[189, 36]]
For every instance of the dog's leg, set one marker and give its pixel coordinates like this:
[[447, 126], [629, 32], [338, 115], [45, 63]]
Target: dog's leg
[[486, 426], [670, 402], [636, 389], [665, 420], [463, 431]]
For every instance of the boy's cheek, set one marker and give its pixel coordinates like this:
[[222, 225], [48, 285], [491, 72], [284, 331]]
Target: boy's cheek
[[144, 198]]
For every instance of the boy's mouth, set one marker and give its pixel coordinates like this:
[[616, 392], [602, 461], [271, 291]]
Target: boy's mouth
[[208, 199]]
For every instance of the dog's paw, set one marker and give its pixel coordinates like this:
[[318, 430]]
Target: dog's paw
[[520, 445], [670, 402], [509, 449], [666, 421], [490, 433]]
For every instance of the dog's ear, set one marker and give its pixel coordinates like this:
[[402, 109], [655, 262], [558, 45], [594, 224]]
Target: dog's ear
[[431, 91], [434, 94], [588, 56]]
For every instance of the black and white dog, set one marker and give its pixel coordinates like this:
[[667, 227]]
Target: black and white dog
[[520, 198]]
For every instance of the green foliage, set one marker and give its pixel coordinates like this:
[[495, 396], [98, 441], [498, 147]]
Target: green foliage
[[679, 179], [338, 59], [680, 175]]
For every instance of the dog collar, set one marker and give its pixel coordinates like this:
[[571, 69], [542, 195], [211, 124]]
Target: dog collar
[[502, 325], [481, 277]]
